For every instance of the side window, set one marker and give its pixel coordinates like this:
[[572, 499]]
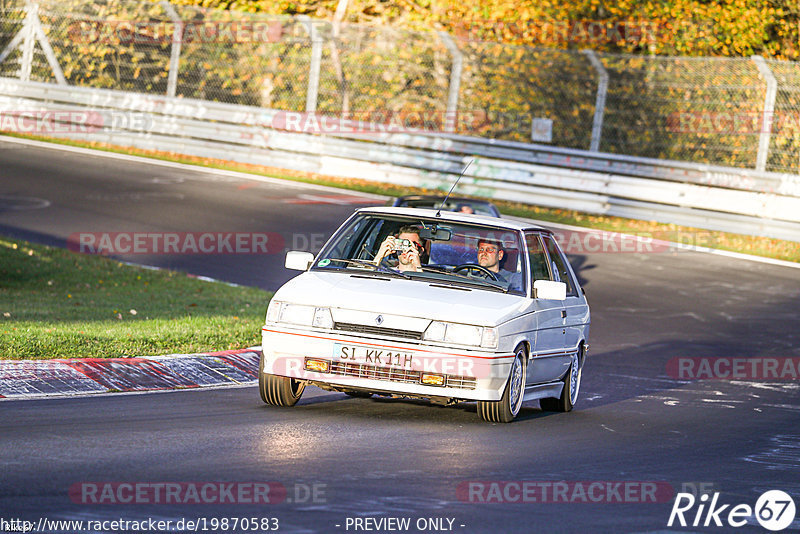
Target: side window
[[559, 266], [357, 240], [537, 257]]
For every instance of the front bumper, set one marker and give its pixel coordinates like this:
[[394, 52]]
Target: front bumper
[[468, 374]]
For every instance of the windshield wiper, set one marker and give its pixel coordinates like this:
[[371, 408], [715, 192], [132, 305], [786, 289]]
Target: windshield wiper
[[367, 263], [486, 283], [438, 269]]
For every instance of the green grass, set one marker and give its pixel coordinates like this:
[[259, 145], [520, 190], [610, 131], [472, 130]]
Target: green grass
[[745, 244], [55, 303]]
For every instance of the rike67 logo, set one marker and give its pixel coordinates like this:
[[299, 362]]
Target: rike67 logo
[[774, 510]]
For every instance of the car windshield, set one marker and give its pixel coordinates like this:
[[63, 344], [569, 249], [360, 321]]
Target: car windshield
[[476, 256]]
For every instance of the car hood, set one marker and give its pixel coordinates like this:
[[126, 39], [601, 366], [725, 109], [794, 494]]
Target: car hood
[[412, 298]]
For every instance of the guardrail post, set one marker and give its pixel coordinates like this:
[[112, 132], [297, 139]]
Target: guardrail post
[[455, 82], [175, 53], [768, 113], [29, 41], [313, 69], [600, 101]]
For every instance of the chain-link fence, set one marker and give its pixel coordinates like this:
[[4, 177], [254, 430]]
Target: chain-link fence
[[509, 86], [695, 109], [741, 112], [784, 148]]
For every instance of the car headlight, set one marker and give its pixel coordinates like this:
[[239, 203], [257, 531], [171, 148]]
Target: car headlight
[[299, 314], [461, 334], [435, 331], [296, 314]]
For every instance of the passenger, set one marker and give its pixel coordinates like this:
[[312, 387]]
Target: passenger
[[403, 251], [490, 254]]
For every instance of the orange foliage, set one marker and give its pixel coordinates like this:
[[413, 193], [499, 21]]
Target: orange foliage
[[737, 28]]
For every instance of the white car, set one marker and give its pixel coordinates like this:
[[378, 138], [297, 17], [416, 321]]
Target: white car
[[450, 327]]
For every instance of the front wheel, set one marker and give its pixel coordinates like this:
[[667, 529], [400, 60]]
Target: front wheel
[[278, 390], [507, 408], [569, 394]]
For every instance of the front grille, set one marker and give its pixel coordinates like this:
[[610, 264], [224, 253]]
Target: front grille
[[463, 382], [358, 370], [377, 330], [393, 374]]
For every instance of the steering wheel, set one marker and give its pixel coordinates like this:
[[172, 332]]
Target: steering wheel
[[475, 267]]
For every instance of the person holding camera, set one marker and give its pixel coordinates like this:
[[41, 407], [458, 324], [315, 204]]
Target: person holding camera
[[403, 251]]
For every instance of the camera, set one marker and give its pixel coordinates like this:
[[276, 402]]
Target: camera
[[404, 245]]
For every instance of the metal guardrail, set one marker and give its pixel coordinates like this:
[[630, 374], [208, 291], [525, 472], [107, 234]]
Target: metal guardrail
[[704, 196]]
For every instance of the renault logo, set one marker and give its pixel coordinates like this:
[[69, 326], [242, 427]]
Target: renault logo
[[379, 320]]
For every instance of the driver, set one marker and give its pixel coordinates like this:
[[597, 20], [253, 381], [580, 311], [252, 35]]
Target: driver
[[406, 246], [490, 254]]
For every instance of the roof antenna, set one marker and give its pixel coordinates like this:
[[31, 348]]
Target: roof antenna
[[438, 211]]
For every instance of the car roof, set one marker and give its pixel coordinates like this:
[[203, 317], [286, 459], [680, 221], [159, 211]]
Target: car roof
[[509, 224], [442, 197]]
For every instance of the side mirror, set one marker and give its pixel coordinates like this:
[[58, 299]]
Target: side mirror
[[549, 290], [299, 261]]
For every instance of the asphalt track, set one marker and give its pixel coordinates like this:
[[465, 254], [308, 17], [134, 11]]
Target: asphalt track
[[635, 424]]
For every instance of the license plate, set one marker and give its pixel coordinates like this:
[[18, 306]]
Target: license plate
[[373, 356]]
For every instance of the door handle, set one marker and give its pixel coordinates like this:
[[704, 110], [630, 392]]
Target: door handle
[[563, 314]]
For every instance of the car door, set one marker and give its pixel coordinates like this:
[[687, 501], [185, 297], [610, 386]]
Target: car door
[[547, 362], [576, 310]]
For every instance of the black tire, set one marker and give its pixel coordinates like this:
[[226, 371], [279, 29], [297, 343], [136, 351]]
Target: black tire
[[572, 386], [278, 390], [507, 408]]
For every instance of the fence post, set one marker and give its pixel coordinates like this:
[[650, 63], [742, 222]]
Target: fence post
[[768, 113], [29, 42], [175, 52], [600, 101], [455, 82], [313, 69], [30, 32], [11, 46], [44, 42]]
